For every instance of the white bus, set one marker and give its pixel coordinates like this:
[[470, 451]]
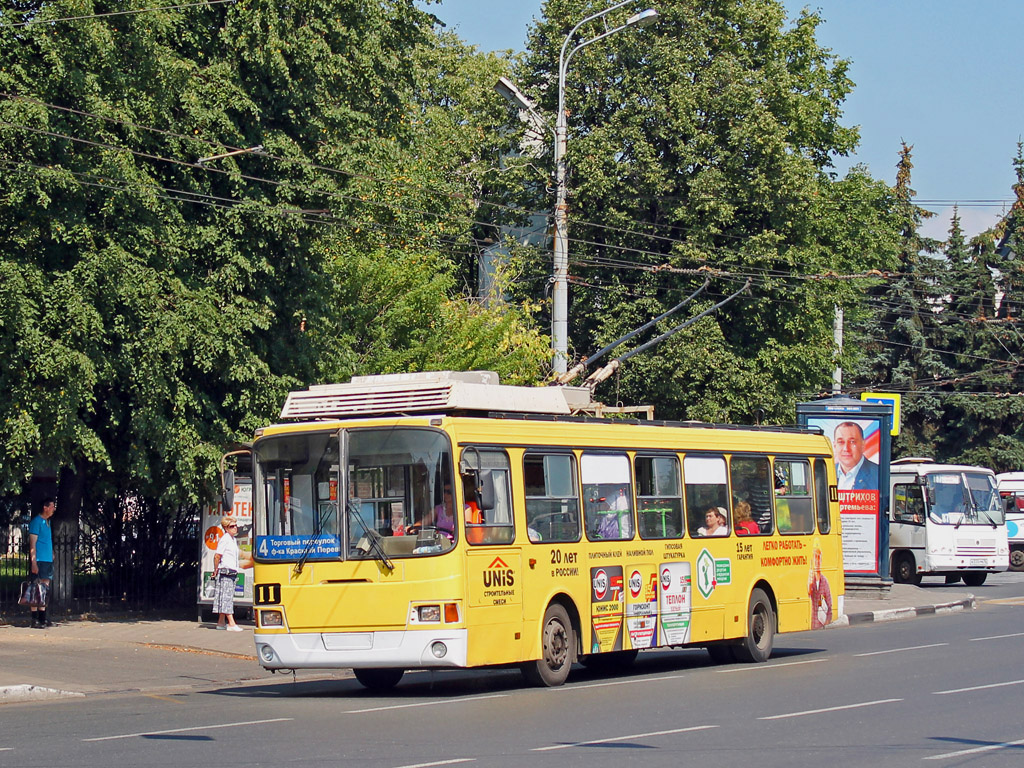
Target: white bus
[[945, 520], [1011, 490]]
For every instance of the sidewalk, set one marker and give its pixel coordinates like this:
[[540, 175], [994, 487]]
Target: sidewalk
[[82, 658]]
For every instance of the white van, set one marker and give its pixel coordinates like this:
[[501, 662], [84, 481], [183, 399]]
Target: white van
[[1011, 489], [945, 520]]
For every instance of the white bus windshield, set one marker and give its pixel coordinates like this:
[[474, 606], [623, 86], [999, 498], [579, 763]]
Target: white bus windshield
[[963, 498]]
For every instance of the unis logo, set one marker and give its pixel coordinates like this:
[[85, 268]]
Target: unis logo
[[600, 584], [498, 574], [636, 584]]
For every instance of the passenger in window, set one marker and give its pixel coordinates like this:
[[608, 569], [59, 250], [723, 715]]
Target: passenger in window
[[743, 520], [716, 523]]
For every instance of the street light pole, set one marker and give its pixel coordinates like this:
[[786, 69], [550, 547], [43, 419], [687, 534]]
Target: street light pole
[[560, 277]]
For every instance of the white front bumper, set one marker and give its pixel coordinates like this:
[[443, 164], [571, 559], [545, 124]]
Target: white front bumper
[[369, 650]]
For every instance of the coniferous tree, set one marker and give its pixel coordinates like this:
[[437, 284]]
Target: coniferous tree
[[902, 335]]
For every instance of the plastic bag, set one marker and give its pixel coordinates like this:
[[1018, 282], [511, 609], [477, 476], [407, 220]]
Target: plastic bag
[[33, 594]]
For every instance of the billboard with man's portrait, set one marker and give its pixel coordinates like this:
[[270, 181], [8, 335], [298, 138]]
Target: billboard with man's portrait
[[856, 445]]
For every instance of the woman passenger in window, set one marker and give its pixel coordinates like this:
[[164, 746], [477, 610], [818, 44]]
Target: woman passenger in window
[[715, 523], [743, 520]]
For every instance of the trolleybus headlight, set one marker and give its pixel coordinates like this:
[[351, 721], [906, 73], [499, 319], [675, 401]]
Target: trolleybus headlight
[[271, 619], [267, 653], [430, 613], [439, 649]]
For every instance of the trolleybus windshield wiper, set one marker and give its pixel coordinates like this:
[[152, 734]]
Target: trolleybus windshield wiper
[[370, 537], [317, 530]]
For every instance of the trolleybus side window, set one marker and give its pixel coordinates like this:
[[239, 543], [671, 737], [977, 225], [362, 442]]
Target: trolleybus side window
[[552, 497], [793, 506], [607, 496], [659, 497], [751, 484], [707, 493], [821, 496], [487, 526]]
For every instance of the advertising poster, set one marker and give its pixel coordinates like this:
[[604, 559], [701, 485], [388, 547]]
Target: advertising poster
[[856, 445], [642, 605], [674, 600], [211, 533], [606, 601]]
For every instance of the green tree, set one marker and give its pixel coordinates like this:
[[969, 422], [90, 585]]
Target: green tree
[[902, 337], [703, 145], [153, 308], [984, 408]]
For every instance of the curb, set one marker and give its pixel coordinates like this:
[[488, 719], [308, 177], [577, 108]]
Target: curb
[[34, 692], [895, 614]]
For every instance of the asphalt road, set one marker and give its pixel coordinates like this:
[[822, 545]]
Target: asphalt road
[[932, 691]]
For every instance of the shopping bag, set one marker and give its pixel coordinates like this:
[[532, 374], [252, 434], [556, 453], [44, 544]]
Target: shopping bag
[[33, 594]]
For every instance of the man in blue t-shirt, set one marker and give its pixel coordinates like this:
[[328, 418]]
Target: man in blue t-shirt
[[40, 556]]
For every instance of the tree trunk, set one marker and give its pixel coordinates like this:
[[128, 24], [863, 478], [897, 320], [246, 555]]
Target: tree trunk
[[70, 489]]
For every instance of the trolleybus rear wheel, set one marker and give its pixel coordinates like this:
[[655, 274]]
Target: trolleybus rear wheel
[[379, 679], [558, 646], [757, 645]]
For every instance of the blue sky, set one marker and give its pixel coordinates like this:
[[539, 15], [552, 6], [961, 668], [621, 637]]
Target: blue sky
[[945, 75]]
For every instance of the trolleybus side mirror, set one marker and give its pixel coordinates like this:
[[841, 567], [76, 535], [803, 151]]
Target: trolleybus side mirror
[[485, 490], [228, 491]]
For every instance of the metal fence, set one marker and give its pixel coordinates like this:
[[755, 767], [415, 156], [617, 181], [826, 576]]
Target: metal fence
[[95, 572]]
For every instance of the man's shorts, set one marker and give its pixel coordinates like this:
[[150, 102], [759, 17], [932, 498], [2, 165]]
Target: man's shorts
[[45, 570]]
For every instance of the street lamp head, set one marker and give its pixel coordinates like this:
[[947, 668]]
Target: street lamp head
[[511, 93], [642, 19]]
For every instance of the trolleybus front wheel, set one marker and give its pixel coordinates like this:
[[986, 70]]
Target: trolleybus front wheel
[[757, 645], [379, 679], [558, 646]]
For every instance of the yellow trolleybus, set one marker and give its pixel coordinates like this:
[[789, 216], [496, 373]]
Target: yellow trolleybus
[[443, 520]]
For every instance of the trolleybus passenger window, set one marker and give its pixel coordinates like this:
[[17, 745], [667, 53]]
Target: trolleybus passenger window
[[487, 526], [821, 496], [607, 497], [706, 492], [751, 484], [552, 497], [659, 499], [793, 506]]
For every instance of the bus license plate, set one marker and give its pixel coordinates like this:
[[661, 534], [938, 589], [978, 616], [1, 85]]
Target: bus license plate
[[979, 561]]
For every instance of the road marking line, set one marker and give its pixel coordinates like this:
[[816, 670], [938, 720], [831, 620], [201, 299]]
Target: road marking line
[[830, 709], [441, 762], [425, 704], [1007, 601], [623, 738], [997, 637], [900, 650], [615, 682], [192, 728], [979, 687], [976, 750], [760, 667]]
